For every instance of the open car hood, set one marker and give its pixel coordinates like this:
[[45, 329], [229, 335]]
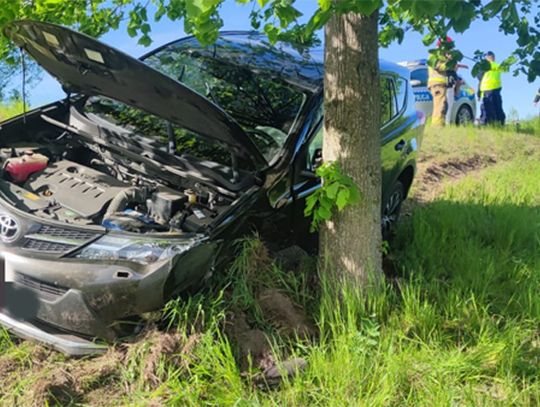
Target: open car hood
[[85, 65]]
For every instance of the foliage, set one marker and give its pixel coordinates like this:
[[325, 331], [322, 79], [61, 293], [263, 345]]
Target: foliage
[[336, 192], [279, 19]]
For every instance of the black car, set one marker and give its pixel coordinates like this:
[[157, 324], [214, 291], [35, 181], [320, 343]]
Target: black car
[[133, 188]]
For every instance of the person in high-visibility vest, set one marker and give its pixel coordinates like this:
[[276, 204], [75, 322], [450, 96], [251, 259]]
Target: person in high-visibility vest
[[490, 89], [442, 76], [437, 83]]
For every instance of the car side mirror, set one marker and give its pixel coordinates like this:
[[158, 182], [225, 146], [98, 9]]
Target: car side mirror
[[415, 83], [316, 160]]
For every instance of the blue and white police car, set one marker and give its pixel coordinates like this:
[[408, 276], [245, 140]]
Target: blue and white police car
[[464, 106]]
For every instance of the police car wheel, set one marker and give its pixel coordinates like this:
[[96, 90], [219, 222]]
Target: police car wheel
[[464, 115]]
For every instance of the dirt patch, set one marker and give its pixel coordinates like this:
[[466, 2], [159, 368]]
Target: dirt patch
[[255, 351], [291, 258], [287, 317], [95, 373], [274, 374], [55, 387], [252, 344], [431, 174], [163, 346], [8, 365]]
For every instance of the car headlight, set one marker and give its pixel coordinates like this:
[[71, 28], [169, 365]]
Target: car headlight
[[142, 250]]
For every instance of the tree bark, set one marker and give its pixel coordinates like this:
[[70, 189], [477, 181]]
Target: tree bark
[[351, 240]]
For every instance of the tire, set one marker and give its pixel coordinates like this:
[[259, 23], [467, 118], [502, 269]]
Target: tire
[[391, 210], [464, 115]]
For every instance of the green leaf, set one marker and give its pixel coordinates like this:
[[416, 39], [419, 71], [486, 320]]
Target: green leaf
[[342, 199], [429, 38], [145, 40], [324, 213], [325, 5], [367, 7], [479, 67], [310, 204], [355, 196], [272, 32], [332, 189]]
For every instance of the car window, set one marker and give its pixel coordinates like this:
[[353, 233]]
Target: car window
[[153, 129], [265, 104], [420, 75], [388, 104], [401, 92]]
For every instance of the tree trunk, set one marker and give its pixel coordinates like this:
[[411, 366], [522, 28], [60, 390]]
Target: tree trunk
[[351, 240]]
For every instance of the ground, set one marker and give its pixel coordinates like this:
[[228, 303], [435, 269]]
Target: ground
[[457, 321]]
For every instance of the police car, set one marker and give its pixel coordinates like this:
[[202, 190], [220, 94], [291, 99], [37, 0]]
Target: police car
[[464, 106]]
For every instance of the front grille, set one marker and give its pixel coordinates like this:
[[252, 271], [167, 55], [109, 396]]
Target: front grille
[[56, 240], [72, 234], [44, 246], [46, 290]]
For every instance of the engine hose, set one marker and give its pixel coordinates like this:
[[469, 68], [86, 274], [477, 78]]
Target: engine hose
[[128, 196]]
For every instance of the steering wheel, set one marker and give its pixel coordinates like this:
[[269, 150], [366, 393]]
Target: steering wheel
[[266, 138]]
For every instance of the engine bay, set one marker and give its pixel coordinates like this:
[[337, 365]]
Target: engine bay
[[71, 183]]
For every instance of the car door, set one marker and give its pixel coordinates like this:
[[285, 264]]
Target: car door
[[395, 129], [305, 181]]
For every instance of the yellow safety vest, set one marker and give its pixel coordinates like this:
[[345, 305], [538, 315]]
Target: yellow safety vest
[[492, 78], [436, 77]]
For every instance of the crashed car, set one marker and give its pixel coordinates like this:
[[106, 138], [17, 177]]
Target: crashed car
[[133, 188]]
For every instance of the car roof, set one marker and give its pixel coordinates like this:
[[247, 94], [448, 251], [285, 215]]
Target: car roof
[[304, 66], [418, 63]]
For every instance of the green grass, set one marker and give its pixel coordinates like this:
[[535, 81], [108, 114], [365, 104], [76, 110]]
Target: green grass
[[10, 109], [531, 126], [456, 323]]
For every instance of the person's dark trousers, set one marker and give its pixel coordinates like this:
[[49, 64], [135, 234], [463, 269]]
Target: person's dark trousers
[[493, 106], [482, 119]]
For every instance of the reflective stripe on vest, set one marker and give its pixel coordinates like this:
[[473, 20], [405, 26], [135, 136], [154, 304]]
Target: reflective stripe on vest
[[492, 78], [436, 78]]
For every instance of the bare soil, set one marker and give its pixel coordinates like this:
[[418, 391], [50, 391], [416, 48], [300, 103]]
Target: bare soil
[[431, 174], [288, 318]]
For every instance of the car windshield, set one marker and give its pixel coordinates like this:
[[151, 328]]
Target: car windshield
[[259, 86]]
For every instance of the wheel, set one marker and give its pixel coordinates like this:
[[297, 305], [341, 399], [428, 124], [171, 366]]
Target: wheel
[[391, 209], [464, 115]]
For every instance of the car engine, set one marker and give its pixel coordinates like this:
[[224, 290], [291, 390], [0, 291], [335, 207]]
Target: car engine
[[62, 186]]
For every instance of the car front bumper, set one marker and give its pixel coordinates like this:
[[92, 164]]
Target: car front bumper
[[69, 344], [60, 301]]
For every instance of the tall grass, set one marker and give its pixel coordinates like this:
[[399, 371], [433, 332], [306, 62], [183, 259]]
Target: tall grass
[[459, 325], [457, 322]]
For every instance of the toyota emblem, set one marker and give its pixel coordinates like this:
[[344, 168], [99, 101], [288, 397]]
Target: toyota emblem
[[9, 228]]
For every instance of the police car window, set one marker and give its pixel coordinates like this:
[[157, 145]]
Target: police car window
[[420, 75], [401, 92], [388, 107]]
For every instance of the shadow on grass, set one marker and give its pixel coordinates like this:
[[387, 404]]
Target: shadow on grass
[[491, 252]]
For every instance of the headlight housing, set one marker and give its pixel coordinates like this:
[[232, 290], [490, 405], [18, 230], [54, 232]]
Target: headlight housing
[[143, 250]]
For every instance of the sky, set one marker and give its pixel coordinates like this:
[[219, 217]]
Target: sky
[[517, 92]]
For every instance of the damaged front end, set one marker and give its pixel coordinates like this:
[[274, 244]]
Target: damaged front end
[[100, 223]]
